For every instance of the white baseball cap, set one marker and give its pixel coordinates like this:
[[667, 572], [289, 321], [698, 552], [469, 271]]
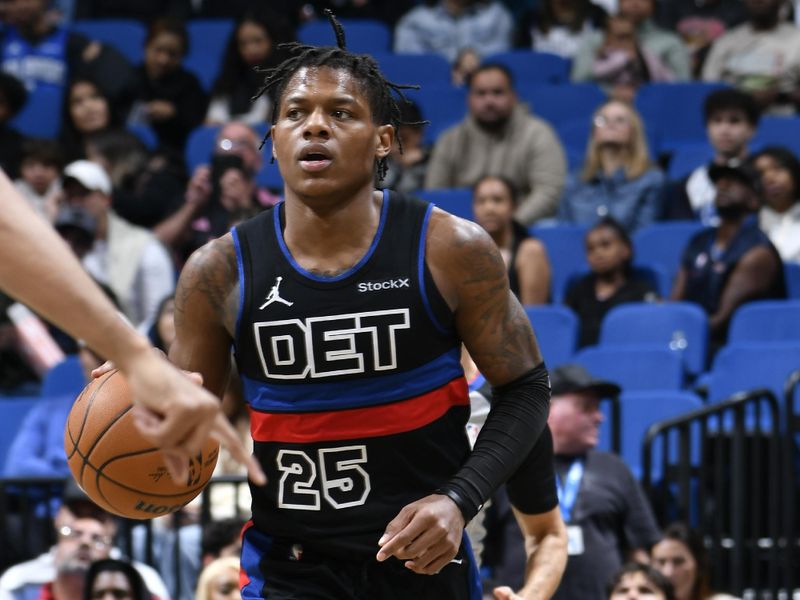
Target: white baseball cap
[[89, 174]]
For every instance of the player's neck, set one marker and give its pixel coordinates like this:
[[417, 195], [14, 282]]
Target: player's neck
[[326, 232]]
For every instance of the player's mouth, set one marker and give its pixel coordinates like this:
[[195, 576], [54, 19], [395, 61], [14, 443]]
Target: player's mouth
[[315, 157]]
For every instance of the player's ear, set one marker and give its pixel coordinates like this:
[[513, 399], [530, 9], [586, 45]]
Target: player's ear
[[385, 135]]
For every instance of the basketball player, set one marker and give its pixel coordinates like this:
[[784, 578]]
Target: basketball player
[[38, 268], [358, 401]]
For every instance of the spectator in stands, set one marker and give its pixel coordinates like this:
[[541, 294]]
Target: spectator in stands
[[406, 169], [221, 538], [252, 45], [218, 191], [467, 62], [731, 118], [146, 187], [85, 534], [611, 281], [128, 258], [661, 44], [617, 178], [146, 11], [699, 24], [761, 57], [219, 580], [681, 557], [168, 98], [779, 218], [40, 175], [114, 578], [637, 581], [44, 54], [447, 26], [730, 264], [12, 99], [608, 518], [500, 137], [560, 26], [494, 200], [621, 64], [162, 331], [86, 110]]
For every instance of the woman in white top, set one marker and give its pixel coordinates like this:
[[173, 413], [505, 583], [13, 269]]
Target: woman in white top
[[779, 218]]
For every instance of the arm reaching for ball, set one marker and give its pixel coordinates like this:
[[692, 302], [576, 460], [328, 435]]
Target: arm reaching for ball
[[38, 268]]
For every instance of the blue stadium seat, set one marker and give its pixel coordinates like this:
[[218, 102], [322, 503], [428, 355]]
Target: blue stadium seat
[[642, 409], [777, 131], [634, 368], [126, 35], [687, 158], [766, 321], [792, 273], [41, 115], [663, 243], [533, 67], [556, 329], [561, 103], [65, 378], [365, 36], [456, 201], [13, 411], [146, 135], [747, 366], [675, 112], [678, 326], [442, 105], [208, 40], [414, 69], [566, 252]]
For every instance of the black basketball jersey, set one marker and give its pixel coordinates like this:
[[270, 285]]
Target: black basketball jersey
[[357, 399]]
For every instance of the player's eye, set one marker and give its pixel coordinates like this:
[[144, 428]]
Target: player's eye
[[293, 113], [340, 114]]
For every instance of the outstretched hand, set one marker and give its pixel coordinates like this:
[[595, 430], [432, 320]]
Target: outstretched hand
[[426, 534], [505, 593], [173, 411]]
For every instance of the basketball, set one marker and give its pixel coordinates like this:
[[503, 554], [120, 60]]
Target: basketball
[[117, 467]]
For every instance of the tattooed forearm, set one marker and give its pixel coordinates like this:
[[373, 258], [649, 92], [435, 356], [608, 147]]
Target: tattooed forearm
[[211, 274]]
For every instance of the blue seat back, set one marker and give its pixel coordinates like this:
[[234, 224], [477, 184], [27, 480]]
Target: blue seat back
[[556, 329], [533, 67], [126, 35], [208, 40], [791, 272], [566, 252], [663, 243], [634, 367], [64, 379], [456, 201], [41, 115], [687, 158], [442, 104], [766, 321], [777, 131], [414, 69], [561, 103], [12, 414], [678, 326], [365, 36]]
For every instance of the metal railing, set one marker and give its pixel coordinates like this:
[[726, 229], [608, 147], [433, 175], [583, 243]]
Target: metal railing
[[720, 467]]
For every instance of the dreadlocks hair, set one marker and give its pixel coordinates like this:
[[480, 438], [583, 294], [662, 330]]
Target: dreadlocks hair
[[382, 94]]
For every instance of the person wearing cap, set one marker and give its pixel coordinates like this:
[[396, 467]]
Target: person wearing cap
[[725, 266], [608, 518], [129, 259], [85, 534]]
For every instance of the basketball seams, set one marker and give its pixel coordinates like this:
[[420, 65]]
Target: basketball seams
[[89, 403]]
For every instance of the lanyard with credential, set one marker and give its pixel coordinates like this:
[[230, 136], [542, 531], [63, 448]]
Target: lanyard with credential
[[568, 493]]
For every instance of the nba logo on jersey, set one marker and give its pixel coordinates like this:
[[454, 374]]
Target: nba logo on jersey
[[344, 344]]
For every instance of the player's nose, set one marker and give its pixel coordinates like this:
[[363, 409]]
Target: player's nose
[[316, 125]]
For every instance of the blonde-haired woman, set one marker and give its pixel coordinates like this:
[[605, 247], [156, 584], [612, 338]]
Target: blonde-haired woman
[[617, 179], [219, 580]]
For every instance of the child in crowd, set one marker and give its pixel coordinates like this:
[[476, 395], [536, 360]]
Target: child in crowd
[[40, 181]]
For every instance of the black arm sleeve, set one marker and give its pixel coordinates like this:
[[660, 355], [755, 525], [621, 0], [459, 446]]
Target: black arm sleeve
[[532, 489], [518, 416]]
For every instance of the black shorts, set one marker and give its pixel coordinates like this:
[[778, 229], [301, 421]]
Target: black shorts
[[284, 571]]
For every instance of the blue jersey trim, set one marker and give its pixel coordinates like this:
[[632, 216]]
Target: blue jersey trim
[[350, 271], [477, 383], [359, 393], [421, 272], [474, 577], [255, 544], [240, 268]]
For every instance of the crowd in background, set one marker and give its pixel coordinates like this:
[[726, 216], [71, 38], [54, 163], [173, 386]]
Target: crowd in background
[[116, 185]]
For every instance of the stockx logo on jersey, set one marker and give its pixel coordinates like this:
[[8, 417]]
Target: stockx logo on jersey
[[364, 342], [388, 284]]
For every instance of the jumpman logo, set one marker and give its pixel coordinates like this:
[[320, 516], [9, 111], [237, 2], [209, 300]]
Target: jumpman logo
[[275, 296]]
